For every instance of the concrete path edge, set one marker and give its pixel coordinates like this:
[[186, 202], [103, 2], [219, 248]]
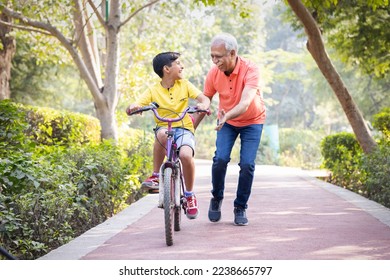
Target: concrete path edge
[[95, 237]]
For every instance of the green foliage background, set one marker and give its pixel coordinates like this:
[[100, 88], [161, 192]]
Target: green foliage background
[[54, 171]]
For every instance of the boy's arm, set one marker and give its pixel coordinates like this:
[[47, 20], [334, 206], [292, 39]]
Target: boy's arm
[[133, 107], [204, 103], [143, 100]]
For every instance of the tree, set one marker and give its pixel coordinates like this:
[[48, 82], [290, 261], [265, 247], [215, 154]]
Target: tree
[[359, 31], [316, 47], [79, 39], [357, 34], [7, 50]]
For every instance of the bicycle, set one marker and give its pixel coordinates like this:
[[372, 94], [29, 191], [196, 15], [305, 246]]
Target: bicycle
[[171, 181]]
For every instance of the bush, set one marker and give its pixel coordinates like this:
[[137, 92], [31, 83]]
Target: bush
[[376, 170], [300, 148], [28, 125], [382, 122], [138, 146], [48, 199], [342, 156], [366, 174], [340, 148], [12, 126], [53, 190]]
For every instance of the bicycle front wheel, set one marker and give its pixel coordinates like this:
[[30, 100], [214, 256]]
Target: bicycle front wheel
[[178, 198], [169, 205]]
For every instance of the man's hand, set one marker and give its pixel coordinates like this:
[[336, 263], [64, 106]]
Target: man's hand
[[221, 119]]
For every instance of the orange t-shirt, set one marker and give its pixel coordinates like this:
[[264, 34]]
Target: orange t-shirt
[[230, 90]]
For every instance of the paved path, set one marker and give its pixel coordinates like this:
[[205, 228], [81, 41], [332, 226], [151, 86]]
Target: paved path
[[292, 216]]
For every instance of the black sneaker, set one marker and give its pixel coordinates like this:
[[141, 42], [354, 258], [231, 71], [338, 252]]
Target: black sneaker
[[240, 218], [215, 210]]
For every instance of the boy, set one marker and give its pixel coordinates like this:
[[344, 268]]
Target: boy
[[172, 93]]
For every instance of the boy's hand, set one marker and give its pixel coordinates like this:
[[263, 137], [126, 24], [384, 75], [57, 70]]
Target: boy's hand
[[132, 108]]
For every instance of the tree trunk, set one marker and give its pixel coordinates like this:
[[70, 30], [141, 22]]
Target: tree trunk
[[316, 48], [84, 55], [7, 51], [107, 120], [110, 90]]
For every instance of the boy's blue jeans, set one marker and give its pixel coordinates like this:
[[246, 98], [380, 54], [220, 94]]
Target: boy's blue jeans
[[250, 139]]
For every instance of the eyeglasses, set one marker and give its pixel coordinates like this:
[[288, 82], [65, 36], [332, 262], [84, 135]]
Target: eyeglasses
[[218, 57]]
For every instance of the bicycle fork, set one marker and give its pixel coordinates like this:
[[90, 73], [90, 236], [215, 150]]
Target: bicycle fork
[[177, 179]]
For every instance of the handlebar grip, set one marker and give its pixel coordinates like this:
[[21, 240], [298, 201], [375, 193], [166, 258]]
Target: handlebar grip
[[152, 106], [143, 109], [196, 110]]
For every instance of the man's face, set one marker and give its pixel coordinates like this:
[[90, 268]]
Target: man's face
[[223, 59]]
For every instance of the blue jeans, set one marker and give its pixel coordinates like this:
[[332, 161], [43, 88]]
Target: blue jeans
[[226, 137]]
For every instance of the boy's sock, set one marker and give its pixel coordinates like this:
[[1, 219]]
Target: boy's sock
[[187, 194]]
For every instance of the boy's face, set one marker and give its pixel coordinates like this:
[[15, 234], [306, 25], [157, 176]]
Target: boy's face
[[175, 70]]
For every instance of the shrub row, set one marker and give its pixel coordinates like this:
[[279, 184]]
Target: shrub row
[[54, 184], [366, 174], [22, 124]]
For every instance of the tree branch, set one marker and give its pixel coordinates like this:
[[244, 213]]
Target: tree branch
[[95, 91], [137, 11], [27, 21], [24, 28], [85, 41], [97, 13]]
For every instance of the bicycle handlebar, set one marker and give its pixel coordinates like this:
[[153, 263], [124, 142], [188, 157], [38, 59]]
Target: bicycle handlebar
[[154, 106]]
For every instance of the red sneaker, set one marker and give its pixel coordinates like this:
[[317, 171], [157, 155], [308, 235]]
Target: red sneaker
[[151, 183], [192, 207]]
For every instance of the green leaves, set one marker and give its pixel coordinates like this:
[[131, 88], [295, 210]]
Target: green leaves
[[366, 174], [66, 182], [358, 30], [22, 125]]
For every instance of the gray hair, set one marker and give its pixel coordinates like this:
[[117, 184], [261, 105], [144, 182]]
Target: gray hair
[[227, 39]]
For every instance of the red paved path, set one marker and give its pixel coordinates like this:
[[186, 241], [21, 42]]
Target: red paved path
[[292, 216]]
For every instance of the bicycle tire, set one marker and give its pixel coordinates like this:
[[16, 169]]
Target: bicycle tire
[[177, 220], [169, 207], [178, 198]]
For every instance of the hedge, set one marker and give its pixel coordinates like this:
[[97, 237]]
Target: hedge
[[22, 124], [366, 174], [57, 179]]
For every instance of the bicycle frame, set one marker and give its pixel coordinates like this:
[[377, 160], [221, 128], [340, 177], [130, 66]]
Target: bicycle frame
[[172, 160], [171, 186]]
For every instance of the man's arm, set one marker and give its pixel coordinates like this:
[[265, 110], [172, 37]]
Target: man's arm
[[248, 94]]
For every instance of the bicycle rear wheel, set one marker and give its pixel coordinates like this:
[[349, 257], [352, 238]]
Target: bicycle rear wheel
[[169, 205]]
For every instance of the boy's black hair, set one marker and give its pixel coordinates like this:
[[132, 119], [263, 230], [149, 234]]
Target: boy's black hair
[[162, 59]]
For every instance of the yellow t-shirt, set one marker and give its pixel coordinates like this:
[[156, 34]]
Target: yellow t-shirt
[[172, 102]]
